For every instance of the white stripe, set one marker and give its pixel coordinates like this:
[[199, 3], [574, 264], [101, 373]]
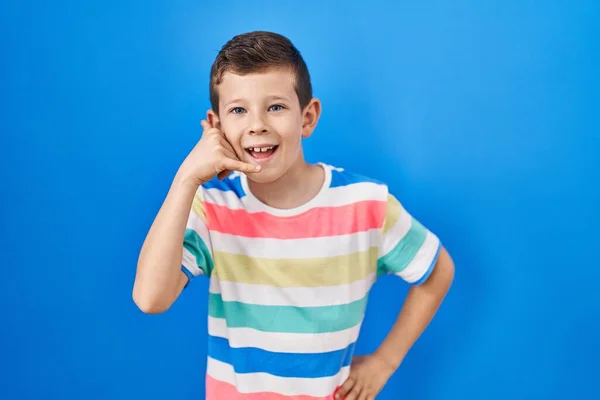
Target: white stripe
[[263, 382], [283, 342], [226, 198], [396, 233], [189, 261], [422, 260], [266, 295], [196, 223], [333, 197], [296, 248], [353, 193]]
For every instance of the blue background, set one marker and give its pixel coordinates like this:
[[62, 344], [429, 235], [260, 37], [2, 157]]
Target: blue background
[[483, 118]]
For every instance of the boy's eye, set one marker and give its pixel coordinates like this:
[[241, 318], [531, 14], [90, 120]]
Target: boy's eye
[[276, 107], [237, 110]]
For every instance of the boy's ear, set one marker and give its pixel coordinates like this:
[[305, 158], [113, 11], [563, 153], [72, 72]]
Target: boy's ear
[[310, 117], [213, 119]]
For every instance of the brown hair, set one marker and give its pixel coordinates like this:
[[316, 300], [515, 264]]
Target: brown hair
[[259, 51]]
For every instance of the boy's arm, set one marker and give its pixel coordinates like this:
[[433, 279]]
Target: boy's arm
[[415, 254], [369, 374], [421, 304], [159, 279]]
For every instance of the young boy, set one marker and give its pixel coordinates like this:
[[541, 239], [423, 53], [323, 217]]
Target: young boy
[[291, 248]]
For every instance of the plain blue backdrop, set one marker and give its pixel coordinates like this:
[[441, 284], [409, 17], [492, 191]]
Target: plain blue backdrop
[[483, 119]]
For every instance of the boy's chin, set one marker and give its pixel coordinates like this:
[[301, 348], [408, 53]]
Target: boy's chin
[[267, 175]]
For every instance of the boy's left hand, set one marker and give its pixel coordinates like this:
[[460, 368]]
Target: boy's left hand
[[368, 375]]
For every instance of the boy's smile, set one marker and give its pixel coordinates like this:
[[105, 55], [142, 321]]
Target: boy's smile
[[262, 153]]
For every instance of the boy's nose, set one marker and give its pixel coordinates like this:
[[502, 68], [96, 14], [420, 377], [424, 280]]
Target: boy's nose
[[257, 126]]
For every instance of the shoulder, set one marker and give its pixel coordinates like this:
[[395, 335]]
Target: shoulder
[[366, 196], [216, 196], [343, 179], [229, 188]]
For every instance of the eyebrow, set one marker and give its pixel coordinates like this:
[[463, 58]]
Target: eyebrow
[[232, 101], [278, 98]]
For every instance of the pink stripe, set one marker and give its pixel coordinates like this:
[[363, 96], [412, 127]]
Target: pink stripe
[[217, 390], [317, 222]]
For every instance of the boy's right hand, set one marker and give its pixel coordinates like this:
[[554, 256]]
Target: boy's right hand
[[212, 155]]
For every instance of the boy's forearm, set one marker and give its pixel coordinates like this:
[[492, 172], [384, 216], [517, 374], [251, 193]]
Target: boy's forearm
[[422, 302], [159, 274]]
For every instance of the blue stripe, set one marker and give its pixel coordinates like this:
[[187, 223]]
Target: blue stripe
[[430, 268], [226, 185], [344, 178], [289, 365]]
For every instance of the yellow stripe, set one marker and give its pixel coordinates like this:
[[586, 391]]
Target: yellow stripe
[[198, 206], [392, 214], [294, 272]]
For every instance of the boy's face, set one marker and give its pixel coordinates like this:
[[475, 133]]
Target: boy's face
[[260, 115]]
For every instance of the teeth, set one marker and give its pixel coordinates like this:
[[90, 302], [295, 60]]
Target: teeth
[[261, 149]]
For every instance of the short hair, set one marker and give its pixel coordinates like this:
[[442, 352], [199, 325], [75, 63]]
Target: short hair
[[259, 51]]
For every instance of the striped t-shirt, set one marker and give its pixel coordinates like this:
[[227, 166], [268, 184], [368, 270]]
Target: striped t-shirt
[[288, 288]]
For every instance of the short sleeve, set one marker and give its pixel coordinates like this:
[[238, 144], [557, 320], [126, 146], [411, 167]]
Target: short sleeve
[[407, 249], [197, 250]]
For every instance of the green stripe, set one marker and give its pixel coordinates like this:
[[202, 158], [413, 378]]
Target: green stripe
[[195, 245], [287, 319], [400, 256]]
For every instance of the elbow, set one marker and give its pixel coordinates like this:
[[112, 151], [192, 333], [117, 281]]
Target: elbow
[[150, 304]]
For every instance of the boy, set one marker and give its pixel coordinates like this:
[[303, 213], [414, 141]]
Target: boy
[[291, 248]]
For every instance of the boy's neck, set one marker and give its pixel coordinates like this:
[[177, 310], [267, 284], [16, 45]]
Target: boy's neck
[[297, 186]]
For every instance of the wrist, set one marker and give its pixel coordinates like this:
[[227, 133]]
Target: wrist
[[186, 183], [393, 361]]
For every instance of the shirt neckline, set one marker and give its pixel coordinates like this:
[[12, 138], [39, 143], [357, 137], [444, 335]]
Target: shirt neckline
[[254, 204]]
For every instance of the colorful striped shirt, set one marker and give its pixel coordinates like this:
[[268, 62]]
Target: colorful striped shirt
[[288, 288]]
